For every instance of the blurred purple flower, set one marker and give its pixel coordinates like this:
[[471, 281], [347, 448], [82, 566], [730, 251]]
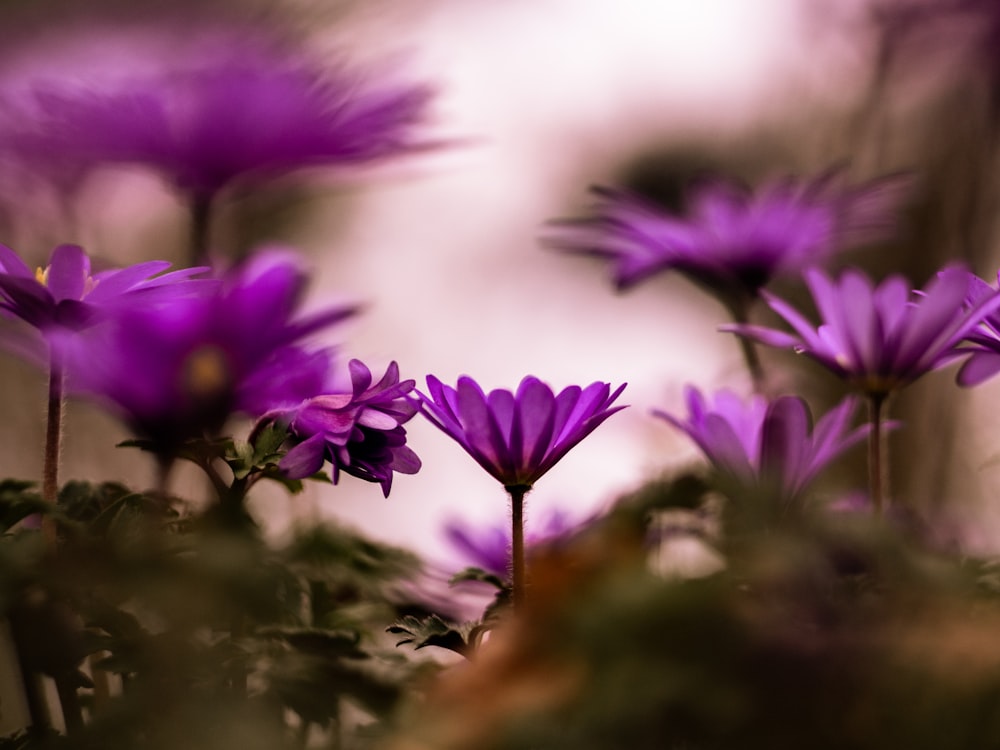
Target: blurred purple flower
[[488, 546], [770, 446], [517, 437], [734, 241], [179, 369], [360, 433], [879, 338], [984, 340], [65, 297], [204, 126]]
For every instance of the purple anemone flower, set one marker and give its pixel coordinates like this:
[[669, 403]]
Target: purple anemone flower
[[879, 338], [984, 340], [517, 437], [767, 446], [733, 242], [65, 297], [177, 370], [360, 433], [205, 126]]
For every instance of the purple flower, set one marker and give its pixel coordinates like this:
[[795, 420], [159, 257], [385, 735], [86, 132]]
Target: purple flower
[[177, 370], [879, 338], [517, 437], [733, 241], [488, 547], [771, 447], [984, 340], [260, 113], [65, 297], [360, 433]]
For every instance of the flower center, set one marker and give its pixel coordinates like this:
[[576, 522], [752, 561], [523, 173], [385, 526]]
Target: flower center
[[42, 277], [206, 372]]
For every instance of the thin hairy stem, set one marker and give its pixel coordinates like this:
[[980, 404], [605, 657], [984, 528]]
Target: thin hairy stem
[[517, 566], [878, 477]]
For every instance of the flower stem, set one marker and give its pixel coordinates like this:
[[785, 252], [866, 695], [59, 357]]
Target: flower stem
[[201, 228], [517, 567], [53, 445], [739, 309], [878, 479]]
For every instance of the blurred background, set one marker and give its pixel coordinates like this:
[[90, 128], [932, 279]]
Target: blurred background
[[535, 102]]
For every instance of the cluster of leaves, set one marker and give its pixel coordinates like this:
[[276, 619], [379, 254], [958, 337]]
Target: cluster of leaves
[[170, 628], [826, 631]]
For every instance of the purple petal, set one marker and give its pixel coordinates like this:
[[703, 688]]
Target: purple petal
[[305, 459], [67, 273]]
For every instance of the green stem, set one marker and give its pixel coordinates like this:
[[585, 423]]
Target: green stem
[[878, 479], [517, 566]]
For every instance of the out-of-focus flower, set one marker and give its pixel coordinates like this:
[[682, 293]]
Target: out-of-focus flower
[[64, 294], [879, 338], [984, 340], [517, 437], [179, 369], [212, 122], [360, 433], [488, 546], [65, 297], [734, 241], [769, 446]]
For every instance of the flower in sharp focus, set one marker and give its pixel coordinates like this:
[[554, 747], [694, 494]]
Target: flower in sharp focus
[[215, 121], [65, 297], [879, 338], [177, 370], [517, 437], [734, 241], [360, 433], [771, 446]]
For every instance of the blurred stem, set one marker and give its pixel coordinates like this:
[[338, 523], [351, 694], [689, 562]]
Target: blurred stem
[[70, 702], [201, 228], [31, 681], [517, 493], [739, 308], [878, 479], [53, 445]]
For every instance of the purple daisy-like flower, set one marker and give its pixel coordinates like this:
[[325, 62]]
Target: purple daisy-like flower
[[984, 340], [517, 437], [769, 446], [208, 124], [360, 433], [879, 338], [65, 297], [733, 241], [177, 370]]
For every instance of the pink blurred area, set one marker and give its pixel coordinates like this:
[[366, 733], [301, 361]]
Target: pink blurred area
[[539, 99]]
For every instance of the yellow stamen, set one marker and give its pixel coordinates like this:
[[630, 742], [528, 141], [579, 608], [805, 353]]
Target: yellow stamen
[[42, 275]]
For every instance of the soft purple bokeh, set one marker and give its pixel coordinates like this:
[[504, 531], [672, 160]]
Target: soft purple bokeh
[[767, 446], [360, 433], [487, 546], [519, 436], [178, 370], [733, 241], [208, 122], [878, 338]]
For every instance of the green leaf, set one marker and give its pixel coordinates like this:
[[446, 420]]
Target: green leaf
[[478, 574], [433, 631]]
